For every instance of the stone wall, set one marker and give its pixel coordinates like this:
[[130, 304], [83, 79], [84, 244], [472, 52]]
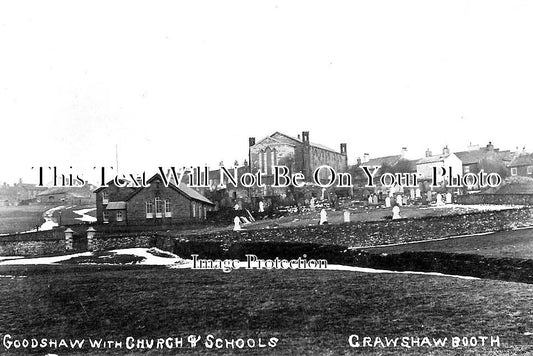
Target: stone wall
[[356, 234], [103, 242], [510, 199], [364, 234], [33, 243]]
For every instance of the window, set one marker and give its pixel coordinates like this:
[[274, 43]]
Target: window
[[120, 215], [105, 197], [529, 169], [106, 216], [168, 212], [193, 210], [205, 212], [467, 169], [514, 171], [158, 208], [149, 210]]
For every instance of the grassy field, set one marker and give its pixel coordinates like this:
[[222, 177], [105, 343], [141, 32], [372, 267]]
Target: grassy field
[[21, 218], [511, 244], [310, 312]]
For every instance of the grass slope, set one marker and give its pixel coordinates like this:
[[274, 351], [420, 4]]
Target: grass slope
[[512, 244], [311, 312], [21, 218]]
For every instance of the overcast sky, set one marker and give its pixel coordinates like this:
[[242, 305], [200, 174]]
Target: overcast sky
[[186, 83]]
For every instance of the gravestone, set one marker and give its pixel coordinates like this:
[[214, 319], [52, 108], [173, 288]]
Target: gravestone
[[418, 193], [237, 224], [261, 207], [399, 200], [439, 199], [375, 199], [387, 202], [429, 196], [323, 217], [412, 192], [448, 198], [396, 212], [370, 199], [312, 203], [346, 216]]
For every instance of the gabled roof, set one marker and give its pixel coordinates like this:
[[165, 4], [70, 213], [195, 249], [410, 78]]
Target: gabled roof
[[290, 140], [182, 189], [433, 159], [471, 157], [380, 161], [314, 144], [111, 182], [523, 160]]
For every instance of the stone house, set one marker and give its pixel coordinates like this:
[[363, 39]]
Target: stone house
[[522, 165], [155, 204], [446, 160]]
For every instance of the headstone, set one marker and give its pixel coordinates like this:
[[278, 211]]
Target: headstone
[[439, 199], [261, 207], [370, 199], [237, 224], [323, 217], [375, 199], [396, 212], [448, 198], [404, 200], [387, 202], [399, 200], [236, 207], [429, 196], [312, 203], [323, 192], [346, 216], [412, 193], [418, 193]]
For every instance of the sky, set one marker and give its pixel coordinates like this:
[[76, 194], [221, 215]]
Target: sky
[[186, 83]]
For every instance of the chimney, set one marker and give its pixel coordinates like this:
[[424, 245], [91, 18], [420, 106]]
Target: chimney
[[305, 137], [446, 150], [251, 141], [490, 146], [404, 152], [366, 157], [343, 148], [299, 137], [358, 161], [428, 153]]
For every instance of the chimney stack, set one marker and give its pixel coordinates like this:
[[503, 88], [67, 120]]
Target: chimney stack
[[343, 148], [305, 137], [366, 157], [446, 150], [251, 141], [428, 153], [404, 152], [490, 146]]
